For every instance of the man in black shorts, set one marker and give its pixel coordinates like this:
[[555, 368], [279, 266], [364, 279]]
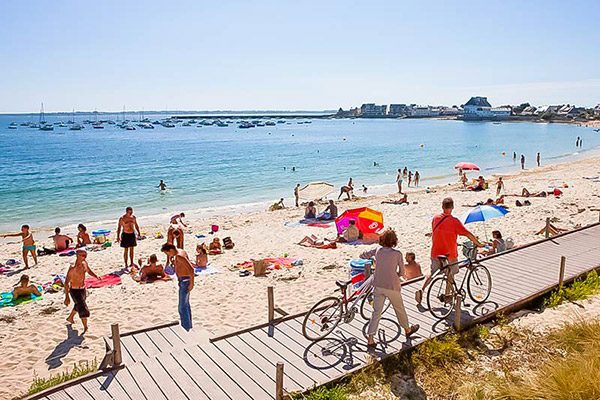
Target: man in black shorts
[[127, 232]]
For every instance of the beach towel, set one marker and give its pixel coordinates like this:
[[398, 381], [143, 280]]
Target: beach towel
[[319, 225], [357, 271], [208, 270], [272, 263], [6, 299], [104, 281], [137, 279], [67, 252]]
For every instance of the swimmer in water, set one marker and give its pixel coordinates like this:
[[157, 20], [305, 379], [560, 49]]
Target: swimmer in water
[[162, 185]]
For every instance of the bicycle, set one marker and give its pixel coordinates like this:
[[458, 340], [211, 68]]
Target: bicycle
[[327, 313], [477, 278]]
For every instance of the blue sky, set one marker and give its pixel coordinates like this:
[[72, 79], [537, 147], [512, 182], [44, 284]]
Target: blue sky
[[294, 54]]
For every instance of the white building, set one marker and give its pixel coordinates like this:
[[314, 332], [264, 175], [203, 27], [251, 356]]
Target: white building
[[424, 112], [479, 108]]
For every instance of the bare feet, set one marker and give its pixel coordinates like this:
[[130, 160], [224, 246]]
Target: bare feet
[[70, 321]]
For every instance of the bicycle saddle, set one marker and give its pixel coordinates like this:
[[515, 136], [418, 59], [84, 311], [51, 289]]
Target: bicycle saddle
[[343, 284]]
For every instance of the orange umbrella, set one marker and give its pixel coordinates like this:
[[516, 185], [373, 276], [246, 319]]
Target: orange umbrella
[[367, 220]]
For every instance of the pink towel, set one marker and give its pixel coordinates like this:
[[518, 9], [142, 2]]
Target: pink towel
[[104, 281]]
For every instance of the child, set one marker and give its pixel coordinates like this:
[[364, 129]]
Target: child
[[412, 269], [28, 244], [215, 247], [499, 186], [464, 180], [83, 238], [201, 256], [24, 288], [152, 271]]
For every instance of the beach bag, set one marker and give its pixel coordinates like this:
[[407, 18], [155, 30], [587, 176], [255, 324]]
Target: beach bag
[[260, 267], [228, 243]]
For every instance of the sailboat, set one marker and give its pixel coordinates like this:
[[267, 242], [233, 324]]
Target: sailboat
[[97, 124], [74, 126], [44, 126]]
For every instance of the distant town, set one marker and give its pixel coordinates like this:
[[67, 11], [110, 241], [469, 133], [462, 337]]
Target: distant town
[[476, 109]]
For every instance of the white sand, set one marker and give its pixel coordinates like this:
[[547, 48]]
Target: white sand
[[226, 302]]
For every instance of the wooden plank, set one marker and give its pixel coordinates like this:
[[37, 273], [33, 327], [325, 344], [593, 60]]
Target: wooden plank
[[78, 392], [264, 362], [243, 377], [178, 332], [163, 379], [185, 383], [133, 348], [110, 385], [93, 387], [145, 382], [262, 377], [61, 395], [229, 386], [174, 340], [123, 376], [159, 340], [146, 344], [196, 373]]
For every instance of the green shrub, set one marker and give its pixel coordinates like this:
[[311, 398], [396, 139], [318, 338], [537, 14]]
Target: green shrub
[[439, 352], [578, 290], [83, 368], [323, 393]]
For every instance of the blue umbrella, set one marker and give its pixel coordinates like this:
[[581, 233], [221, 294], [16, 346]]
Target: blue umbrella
[[484, 213]]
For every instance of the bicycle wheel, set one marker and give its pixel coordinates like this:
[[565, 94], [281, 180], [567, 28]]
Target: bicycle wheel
[[479, 284], [366, 305], [439, 305], [322, 318]]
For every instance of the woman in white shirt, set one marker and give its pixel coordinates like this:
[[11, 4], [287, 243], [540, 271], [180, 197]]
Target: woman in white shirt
[[389, 266]]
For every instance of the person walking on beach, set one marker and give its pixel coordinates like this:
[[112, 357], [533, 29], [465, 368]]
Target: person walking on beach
[[577, 141], [185, 275], [514, 156], [405, 173], [28, 244], [297, 194], [499, 187], [399, 180], [162, 185], [417, 178], [445, 229], [522, 161], [127, 232], [410, 177], [386, 283], [75, 286], [538, 158]]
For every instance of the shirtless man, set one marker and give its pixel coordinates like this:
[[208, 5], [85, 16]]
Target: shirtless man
[[499, 186], [61, 242], [185, 275], [162, 185], [297, 194], [83, 238], [151, 271], [75, 285], [127, 232], [178, 219], [28, 244], [24, 288]]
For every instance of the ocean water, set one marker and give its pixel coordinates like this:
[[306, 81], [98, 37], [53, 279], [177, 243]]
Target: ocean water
[[65, 177]]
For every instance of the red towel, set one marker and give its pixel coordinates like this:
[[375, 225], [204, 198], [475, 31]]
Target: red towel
[[104, 281], [319, 225]]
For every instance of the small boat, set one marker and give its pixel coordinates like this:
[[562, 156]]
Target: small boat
[[46, 127], [147, 125], [25, 123], [281, 121], [221, 124], [62, 125], [13, 125], [97, 125], [76, 127], [270, 123], [157, 122], [186, 124], [260, 124], [130, 128], [246, 125], [167, 124]]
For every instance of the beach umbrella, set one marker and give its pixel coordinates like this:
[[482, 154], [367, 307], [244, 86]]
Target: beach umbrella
[[315, 190], [467, 166], [367, 220], [484, 213]]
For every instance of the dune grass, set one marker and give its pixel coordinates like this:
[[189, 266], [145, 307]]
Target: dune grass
[[578, 290], [78, 370]]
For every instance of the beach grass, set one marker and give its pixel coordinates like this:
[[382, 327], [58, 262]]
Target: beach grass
[[578, 290], [80, 369], [324, 393]]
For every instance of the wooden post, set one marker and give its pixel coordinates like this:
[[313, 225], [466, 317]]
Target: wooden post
[[547, 230], [561, 275], [116, 338], [279, 382], [457, 313], [271, 304]]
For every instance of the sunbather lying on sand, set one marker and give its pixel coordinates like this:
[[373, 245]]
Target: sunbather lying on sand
[[527, 193], [24, 288], [403, 200], [313, 241]]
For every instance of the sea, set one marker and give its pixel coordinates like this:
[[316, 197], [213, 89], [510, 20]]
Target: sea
[[64, 177]]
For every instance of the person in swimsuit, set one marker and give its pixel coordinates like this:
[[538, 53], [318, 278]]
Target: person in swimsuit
[[28, 244], [522, 161], [410, 177], [347, 189], [127, 232], [75, 286], [417, 178], [311, 211], [61, 242], [152, 271], [399, 180], [178, 219], [499, 186], [297, 194], [201, 256], [185, 275], [162, 185], [24, 289], [83, 238]]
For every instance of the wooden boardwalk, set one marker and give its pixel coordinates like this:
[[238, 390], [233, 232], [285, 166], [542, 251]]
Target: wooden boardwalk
[[168, 363]]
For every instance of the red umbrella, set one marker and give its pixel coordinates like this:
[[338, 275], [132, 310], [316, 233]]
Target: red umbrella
[[467, 166]]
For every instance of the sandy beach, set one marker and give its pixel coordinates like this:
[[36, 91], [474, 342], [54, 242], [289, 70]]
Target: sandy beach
[[36, 338]]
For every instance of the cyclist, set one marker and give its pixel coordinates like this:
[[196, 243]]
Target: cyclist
[[445, 230], [386, 282]]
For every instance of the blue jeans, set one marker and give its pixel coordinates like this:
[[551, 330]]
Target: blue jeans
[[185, 311]]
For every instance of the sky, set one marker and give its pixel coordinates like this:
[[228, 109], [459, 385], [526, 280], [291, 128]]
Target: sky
[[294, 55]]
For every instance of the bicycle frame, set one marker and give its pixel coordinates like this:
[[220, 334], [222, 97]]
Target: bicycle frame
[[468, 263], [357, 295]]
